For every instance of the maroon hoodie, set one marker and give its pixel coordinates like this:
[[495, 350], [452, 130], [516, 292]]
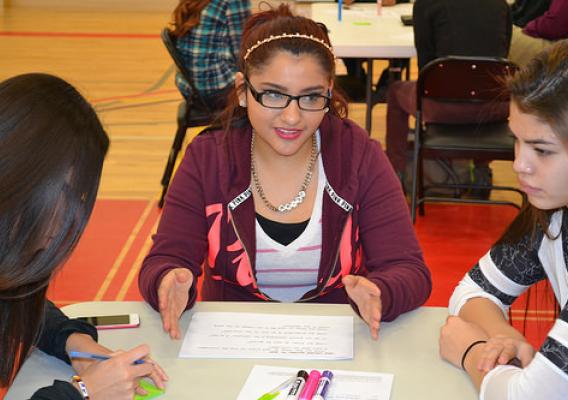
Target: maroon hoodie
[[208, 223]]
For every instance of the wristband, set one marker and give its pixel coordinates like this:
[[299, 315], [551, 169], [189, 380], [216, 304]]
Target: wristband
[[82, 387], [471, 346]]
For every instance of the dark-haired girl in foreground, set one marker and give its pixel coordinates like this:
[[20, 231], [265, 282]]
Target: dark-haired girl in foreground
[[52, 148]]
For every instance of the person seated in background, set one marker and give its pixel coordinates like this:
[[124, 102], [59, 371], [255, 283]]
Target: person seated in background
[[443, 28], [477, 337], [534, 31], [524, 11], [355, 82], [52, 147], [208, 38], [290, 201]]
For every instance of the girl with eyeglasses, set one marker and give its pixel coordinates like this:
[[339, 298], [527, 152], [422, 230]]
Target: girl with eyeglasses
[[289, 201], [477, 337]]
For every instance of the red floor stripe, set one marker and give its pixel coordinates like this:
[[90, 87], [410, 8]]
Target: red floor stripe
[[108, 230], [133, 294]]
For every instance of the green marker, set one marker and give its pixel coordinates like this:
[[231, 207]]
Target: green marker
[[276, 391], [361, 23]]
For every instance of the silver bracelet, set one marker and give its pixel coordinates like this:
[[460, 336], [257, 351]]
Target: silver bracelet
[[82, 387]]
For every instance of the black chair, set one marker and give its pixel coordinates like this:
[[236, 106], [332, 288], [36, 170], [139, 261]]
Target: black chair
[[192, 112], [461, 80]]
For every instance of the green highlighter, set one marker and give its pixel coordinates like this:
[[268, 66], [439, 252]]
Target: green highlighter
[[152, 390], [276, 391]]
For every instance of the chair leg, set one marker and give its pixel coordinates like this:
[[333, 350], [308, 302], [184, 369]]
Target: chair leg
[[415, 156], [176, 147], [420, 188]]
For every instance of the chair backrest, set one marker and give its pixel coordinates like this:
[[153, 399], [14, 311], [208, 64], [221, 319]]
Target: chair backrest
[[464, 79], [169, 41]]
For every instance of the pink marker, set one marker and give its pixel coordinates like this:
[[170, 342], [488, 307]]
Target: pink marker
[[311, 385]]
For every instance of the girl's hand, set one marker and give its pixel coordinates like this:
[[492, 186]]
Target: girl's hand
[[367, 297], [501, 349], [84, 343], [117, 378], [173, 295], [455, 336]]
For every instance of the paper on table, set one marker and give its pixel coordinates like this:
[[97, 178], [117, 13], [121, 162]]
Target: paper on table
[[249, 335], [346, 385]]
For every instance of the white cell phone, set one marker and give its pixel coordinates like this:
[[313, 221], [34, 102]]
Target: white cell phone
[[113, 321]]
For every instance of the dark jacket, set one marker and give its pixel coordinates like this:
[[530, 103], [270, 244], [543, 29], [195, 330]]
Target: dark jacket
[[461, 28], [209, 220], [57, 328]]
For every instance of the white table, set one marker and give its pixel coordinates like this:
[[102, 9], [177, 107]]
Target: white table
[[408, 348], [363, 34]]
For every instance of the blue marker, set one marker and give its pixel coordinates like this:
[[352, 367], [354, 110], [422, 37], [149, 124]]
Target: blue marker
[[339, 8], [323, 385], [92, 356]]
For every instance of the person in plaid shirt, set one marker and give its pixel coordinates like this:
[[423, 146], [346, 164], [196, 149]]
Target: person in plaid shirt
[[208, 38]]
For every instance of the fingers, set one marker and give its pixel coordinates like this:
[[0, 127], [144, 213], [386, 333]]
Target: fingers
[[173, 325], [139, 389], [525, 354], [501, 350], [367, 297], [172, 298], [158, 376]]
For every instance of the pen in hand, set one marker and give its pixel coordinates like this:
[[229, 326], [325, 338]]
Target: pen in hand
[[101, 357]]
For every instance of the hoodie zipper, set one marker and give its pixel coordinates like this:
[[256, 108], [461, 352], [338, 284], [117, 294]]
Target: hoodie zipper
[[332, 265], [246, 253]]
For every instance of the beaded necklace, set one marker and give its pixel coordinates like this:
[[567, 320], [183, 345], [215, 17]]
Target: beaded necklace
[[300, 197]]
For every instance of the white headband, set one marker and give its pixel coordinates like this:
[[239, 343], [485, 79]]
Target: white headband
[[287, 36]]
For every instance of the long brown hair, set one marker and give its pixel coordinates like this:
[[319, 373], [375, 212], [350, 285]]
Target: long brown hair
[[273, 23], [541, 89], [187, 15], [52, 147]]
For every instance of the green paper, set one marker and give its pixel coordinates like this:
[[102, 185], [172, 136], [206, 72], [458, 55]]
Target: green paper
[[152, 390]]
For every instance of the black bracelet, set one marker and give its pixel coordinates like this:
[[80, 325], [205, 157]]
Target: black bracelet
[[471, 346]]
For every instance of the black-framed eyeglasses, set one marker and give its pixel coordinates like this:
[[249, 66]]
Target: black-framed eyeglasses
[[275, 99]]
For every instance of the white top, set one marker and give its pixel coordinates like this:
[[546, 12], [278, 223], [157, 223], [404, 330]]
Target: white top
[[286, 273], [504, 273]]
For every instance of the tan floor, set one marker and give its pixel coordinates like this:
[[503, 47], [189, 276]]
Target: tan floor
[[128, 75]]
